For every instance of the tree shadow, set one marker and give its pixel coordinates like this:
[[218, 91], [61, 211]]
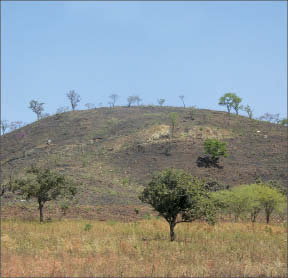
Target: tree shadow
[[208, 162]]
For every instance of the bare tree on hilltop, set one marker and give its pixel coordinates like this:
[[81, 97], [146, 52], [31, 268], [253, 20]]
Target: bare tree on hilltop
[[36, 107], [182, 99], [133, 99], [114, 98], [74, 99]]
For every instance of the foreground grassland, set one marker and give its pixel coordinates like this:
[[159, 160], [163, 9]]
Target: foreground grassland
[[67, 248]]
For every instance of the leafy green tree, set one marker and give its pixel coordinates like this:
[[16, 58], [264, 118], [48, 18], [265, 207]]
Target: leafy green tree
[[36, 107], [43, 185], [270, 199], [231, 202], [215, 149], [230, 100], [250, 199], [173, 116], [275, 184], [178, 197]]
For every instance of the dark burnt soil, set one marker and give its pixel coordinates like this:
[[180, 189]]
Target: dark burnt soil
[[112, 153], [249, 159]]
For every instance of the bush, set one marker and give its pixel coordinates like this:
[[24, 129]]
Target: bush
[[215, 149]]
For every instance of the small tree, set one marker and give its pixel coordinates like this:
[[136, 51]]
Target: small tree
[[133, 99], [161, 101], [173, 121], [182, 99], [74, 99], [230, 100], [4, 126], [36, 107], [215, 149], [178, 197], [270, 199], [44, 185], [248, 110], [113, 98]]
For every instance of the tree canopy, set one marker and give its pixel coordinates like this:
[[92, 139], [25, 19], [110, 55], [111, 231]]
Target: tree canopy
[[178, 197], [44, 185], [230, 100]]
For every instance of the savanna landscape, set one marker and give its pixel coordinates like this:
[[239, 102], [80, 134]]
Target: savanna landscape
[[110, 154], [143, 139]]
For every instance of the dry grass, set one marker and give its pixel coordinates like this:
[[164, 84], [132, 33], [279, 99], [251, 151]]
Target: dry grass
[[65, 248]]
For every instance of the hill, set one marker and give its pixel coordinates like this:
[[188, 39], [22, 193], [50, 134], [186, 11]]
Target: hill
[[112, 153]]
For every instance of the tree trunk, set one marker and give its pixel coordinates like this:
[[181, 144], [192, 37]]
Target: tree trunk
[[41, 211], [267, 217], [253, 217], [172, 234]]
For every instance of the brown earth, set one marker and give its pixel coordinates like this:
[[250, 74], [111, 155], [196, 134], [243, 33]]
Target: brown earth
[[112, 153]]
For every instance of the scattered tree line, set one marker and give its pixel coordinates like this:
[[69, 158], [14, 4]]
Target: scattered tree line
[[230, 100], [179, 197]]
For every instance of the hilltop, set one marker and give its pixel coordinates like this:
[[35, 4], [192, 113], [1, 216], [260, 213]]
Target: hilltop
[[112, 153]]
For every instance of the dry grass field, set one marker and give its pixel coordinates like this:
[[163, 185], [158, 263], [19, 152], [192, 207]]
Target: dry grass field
[[74, 248]]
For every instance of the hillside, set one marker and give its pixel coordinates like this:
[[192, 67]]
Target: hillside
[[113, 152]]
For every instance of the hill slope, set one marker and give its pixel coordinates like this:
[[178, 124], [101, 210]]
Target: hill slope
[[113, 152]]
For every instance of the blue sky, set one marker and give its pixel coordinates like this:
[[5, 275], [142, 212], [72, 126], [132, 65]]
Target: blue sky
[[152, 49]]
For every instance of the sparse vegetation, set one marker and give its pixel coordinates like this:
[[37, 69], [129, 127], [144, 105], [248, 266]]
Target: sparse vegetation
[[64, 248]]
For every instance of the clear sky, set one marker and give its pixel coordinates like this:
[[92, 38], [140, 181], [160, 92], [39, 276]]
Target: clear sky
[[152, 49]]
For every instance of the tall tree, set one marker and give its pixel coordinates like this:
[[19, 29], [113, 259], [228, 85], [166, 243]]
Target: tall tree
[[36, 107], [74, 99]]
